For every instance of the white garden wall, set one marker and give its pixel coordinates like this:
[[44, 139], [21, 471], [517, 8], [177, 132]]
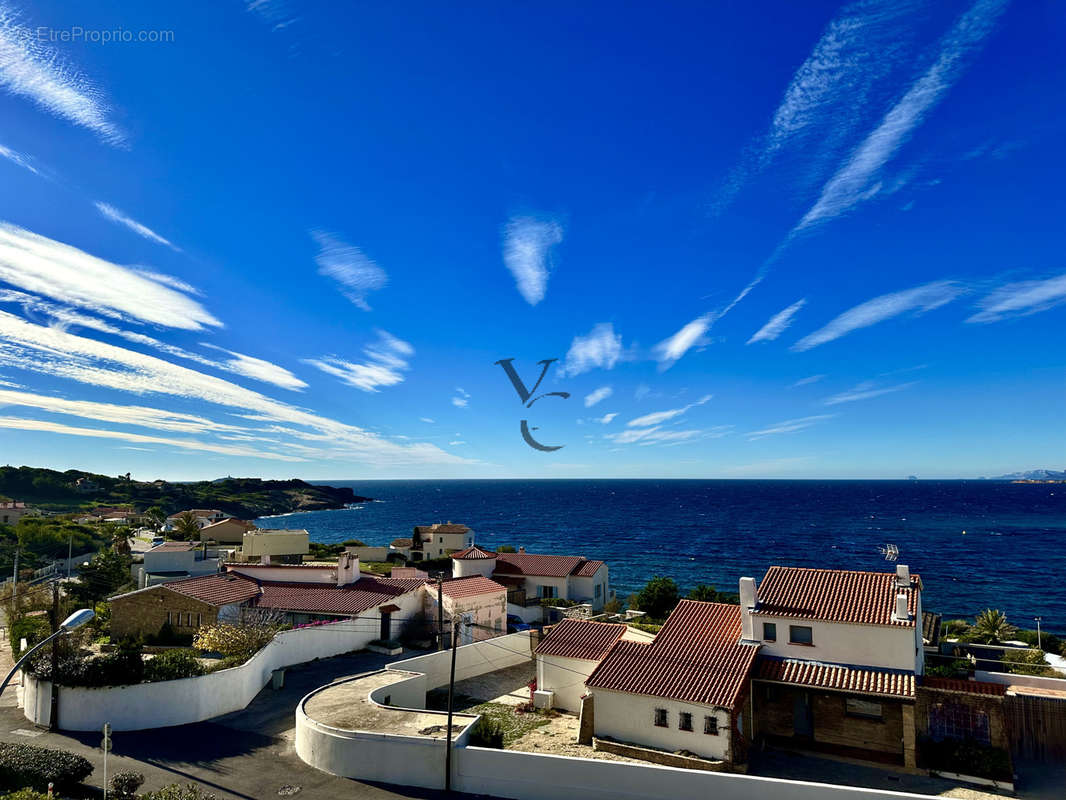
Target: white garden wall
[[1033, 681], [471, 660]]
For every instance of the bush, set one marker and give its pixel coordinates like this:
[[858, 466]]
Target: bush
[[33, 629], [1027, 662], [226, 663], [658, 597], [172, 665], [23, 765], [26, 794], [234, 640], [959, 668], [126, 784], [488, 732], [179, 791], [1049, 642]]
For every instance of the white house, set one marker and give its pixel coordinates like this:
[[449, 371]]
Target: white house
[[433, 541], [12, 511], [174, 560], [480, 601], [203, 517], [568, 655]]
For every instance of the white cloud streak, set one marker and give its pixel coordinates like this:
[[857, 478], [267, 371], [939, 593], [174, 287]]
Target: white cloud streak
[[1021, 299], [601, 348], [865, 391], [116, 216], [806, 381], [606, 419], [387, 361], [345, 263], [789, 426], [257, 369], [19, 159], [669, 350], [527, 244], [461, 398], [856, 180], [659, 417], [919, 300], [31, 69], [597, 396], [71, 276], [777, 324]]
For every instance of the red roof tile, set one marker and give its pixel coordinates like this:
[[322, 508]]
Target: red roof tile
[[695, 657], [217, 590], [835, 595], [837, 677], [965, 686], [588, 569], [402, 543], [473, 553], [578, 638], [469, 587], [536, 565], [328, 598]]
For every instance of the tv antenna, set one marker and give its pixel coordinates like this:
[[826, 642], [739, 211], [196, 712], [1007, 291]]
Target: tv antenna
[[890, 552]]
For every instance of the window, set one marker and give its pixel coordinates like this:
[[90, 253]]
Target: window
[[546, 591], [168, 618], [854, 707], [199, 620], [769, 631], [710, 726], [660, 718], [599, 591], [684, 721], [498, 625], [188, 619], [800, 634]]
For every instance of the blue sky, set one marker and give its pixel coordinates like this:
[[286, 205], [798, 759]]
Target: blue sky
[[763, 239]]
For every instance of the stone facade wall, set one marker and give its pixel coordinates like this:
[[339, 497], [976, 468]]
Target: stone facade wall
[[143, 613], [660, 757]]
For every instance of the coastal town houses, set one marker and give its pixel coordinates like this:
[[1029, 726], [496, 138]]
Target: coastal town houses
[[433, 541], [203, 517], [175, 560], [226, 531], [12, 511], [479, 602], [532, 578], [567, 656]]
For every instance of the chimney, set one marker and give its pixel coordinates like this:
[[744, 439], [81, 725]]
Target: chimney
[[347, 569], [521, 549], [902, 613], [903, 576], [748, 599]]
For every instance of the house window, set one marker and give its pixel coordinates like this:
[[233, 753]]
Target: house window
[[168, 618], [546, 591], [199, 620], [867, 709], [684, 721], [498, 625], [710, 725], [599, 591], [769, 631], [660, 718], [800, 634], [188, 619]]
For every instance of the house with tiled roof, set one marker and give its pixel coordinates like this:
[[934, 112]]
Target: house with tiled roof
[[479, 601], [433, 541], [568, 654], [174, 560], [841, 656], [531, 578]]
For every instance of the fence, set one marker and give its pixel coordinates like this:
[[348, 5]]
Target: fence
[[1036, 722]]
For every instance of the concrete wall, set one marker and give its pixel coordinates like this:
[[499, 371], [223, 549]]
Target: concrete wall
[[566, 677], [371, 553], [167, 560], [274, 543], [1035, 681], [166, 703], [301, 574], [844, 643], [631, 718], [471, 660], [465, 567], [489, 611]]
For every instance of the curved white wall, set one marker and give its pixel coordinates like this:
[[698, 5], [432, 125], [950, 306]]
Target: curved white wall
[[465, 567]]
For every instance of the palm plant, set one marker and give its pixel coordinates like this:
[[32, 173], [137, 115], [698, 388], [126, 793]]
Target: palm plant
[[992, 627], [186, 527]]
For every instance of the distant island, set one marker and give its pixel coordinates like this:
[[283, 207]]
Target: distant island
[[1034, 475], [247, 498]]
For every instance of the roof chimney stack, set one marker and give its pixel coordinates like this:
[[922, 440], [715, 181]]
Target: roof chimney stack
[[521, 549], [902, 612], [903, 576], [748, 599]]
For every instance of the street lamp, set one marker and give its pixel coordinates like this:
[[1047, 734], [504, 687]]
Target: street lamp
[[75, 620]]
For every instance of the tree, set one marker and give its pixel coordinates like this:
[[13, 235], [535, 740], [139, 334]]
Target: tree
[[505, 548], [186, 527], [100, 578], [704, 593], [992, 627], [658, 597], [155, 516], [120, 542]]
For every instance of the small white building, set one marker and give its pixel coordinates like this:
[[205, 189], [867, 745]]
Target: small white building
[[12, 511], [479, 601], [203, 517], [269, 545], [175, 560], [433, 541], [568, 654]]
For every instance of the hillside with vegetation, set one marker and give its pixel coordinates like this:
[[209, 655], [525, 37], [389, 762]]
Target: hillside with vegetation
[[246, 498]]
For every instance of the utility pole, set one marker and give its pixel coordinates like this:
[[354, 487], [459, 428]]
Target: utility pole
[[1039, 645], [15, 579], [53, 712], [440, 612], [70, 554], [451, 697]]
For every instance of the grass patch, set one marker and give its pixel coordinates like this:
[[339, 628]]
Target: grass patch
[[505, 719], [383, 568]]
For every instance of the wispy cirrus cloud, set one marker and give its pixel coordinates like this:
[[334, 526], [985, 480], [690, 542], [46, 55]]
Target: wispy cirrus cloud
[[806, 381], [777, 324], [116, 216], [693, 334], [527, 244], [606, 419], [30, 68], [345, 263], [657, 434], [865, 391], [387, 361], [857, 180], [71, 276], [788, 426], [597, 396], [257, 369], [918, 300], [600, 348], [20, 159], [659, 417], [1021, 299]]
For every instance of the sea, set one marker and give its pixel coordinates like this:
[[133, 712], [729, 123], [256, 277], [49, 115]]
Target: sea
[[976, 544]]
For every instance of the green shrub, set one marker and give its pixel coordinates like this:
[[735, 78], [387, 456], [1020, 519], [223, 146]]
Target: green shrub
[[23, 765], [1049, 642], [172, 665], [179, 791], [226, 663], [488, 732], [26, 794], [557, 602], [959, 668], [126, 784], [1027, 662], [33, 629]]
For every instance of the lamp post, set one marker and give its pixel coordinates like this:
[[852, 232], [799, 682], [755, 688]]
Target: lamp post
[[1039, 643], [75, 620]]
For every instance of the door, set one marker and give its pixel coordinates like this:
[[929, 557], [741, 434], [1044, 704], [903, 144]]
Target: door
[[802, 718], [386, 626]]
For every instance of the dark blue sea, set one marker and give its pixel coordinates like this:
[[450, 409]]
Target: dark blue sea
[[976, 543]]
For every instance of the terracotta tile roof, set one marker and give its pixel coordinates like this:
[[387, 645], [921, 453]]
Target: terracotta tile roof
[[229, 521], [965, 686], [835, 595], [402, 543], [217, 590], [931, 628], [536, 565], [695, 657], [473, 553], [328, 598], [588, 569], [578, 638], [442, 527], [836, 677], [469, 587]]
